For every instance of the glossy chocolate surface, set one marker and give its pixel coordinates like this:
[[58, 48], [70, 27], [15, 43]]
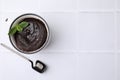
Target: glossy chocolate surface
[[32, 37]]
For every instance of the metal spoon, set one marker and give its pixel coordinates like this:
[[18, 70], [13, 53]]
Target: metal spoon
[[39, 66]]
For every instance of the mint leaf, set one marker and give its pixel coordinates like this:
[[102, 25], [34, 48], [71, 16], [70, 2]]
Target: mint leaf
[[23, 24], [12, 31], [18, 27]]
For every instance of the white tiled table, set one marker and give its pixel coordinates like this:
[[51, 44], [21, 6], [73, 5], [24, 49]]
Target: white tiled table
[[85, 40]]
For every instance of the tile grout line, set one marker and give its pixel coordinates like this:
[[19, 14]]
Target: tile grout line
[[77, 24], [68, 11], [80, 51], [116, 40], [96, 11]]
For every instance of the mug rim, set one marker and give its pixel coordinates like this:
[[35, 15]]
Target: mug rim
[[46, 27]]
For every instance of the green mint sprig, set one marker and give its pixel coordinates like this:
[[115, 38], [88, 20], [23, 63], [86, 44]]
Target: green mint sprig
[[18, 27]]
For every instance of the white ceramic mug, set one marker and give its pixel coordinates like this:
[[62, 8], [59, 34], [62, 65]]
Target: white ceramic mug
[[29, 15]]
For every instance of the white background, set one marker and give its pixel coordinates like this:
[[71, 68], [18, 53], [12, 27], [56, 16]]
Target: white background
[[84, 45]]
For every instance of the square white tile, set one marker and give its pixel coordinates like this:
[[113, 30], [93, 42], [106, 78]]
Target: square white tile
[[96, 5], [96, 31], [94, 66], [57, 5], [61, 65], [13, 67], [19, 5], [63, 27], [118, 4]]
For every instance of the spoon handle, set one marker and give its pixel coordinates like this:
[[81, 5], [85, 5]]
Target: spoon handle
[[5, 46]]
